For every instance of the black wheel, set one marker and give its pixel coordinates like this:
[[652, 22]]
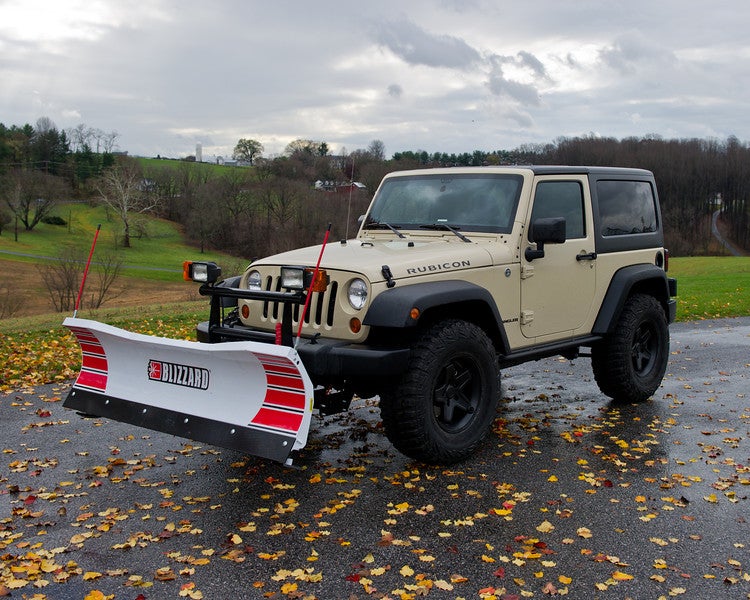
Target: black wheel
[[443, 405], [630, 364]]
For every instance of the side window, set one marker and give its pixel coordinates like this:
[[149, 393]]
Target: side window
[[561, 199], [626, 207]]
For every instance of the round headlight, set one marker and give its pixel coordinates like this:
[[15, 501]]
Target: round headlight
[[357, 293], [253, 281]]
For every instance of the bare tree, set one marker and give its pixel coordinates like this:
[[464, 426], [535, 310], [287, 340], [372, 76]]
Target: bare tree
[[109, 140], [61, 278], [10, 302], [108, 269], [124, 190]]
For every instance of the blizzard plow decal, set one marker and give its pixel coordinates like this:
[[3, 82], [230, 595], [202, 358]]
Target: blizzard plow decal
[[249, 396], [185, 375]]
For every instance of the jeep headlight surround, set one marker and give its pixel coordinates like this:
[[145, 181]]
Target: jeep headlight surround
[[254, 281], [356, 293]]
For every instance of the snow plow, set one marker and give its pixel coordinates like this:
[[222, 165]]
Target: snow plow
[[190, 389]]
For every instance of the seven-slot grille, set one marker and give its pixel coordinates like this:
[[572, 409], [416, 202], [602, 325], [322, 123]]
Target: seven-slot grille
[[320, 312]]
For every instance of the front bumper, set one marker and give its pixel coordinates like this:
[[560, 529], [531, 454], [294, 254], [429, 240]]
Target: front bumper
[[326, 361]]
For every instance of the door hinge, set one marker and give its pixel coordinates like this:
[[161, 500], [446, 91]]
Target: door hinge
[[527, 271], [527, 316]]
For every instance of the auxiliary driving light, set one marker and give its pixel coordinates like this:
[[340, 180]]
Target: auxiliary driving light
[[202, 272]]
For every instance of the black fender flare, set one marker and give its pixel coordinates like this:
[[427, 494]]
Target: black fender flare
[[644, 277], [392, 308]]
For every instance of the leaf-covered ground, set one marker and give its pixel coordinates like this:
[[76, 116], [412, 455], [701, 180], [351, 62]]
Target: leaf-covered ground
[[571, 496]]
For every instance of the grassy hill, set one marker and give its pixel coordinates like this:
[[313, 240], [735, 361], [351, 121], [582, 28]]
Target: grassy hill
[[151, 268], [157, 250]]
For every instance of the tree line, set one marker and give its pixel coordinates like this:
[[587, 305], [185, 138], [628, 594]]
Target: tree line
[[274, 205]]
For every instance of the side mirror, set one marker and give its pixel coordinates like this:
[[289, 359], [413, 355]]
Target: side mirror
[[551, 230]]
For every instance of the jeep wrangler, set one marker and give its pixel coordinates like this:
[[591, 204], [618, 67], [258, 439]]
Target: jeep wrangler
[[456, 273]]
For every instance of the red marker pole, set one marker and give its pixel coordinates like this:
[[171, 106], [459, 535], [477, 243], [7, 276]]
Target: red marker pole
[[312, 283], [86, 270]]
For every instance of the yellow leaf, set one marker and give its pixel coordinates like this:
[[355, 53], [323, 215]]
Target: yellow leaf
[[564, 580], [545, 527], [620, 576], [406, 571], [91, 575]]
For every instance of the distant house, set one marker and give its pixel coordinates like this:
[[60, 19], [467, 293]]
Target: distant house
[[339, 187]]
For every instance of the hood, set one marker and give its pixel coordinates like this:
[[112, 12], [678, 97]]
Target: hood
[[405, 258]]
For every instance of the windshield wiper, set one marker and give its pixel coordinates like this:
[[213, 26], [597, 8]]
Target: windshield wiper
[[379, 225], [444, 227]]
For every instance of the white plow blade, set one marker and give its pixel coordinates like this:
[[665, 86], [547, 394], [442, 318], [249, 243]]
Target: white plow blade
[[249, 396]]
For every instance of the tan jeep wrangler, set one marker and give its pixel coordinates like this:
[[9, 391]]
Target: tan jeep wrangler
[[457, 272]]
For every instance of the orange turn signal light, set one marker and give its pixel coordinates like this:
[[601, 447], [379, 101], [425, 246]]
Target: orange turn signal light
[[414, 313], [319, 281], [355, 325]]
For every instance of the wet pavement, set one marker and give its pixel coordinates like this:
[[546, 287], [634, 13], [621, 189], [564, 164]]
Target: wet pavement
[[571, 495]]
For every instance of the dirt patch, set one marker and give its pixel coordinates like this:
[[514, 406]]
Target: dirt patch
[[23, 293]]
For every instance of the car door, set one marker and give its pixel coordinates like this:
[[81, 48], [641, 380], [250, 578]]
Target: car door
[[557, 290]]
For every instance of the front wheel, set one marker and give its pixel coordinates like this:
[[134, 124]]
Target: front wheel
[[630, 363], [442, 407]]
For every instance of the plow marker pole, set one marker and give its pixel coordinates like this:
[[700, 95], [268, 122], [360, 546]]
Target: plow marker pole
[[312, 283], [86, 270]]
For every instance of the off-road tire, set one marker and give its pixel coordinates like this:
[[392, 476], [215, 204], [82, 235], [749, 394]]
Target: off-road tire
[[441, 408], [630, 363]]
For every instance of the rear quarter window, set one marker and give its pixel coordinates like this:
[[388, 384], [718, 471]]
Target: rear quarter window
[[626, 207]]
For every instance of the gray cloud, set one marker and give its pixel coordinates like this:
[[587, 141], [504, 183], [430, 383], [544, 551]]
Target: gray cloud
[[417, 46], [527, 94], [631, 51], [395, 90]]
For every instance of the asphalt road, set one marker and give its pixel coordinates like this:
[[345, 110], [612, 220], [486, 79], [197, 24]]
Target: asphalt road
[[570, 495]]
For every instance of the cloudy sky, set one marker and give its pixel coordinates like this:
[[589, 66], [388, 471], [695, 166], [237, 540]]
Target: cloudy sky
[[440, 75]]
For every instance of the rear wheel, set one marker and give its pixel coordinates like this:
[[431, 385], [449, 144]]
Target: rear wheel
[[442, 407], [630, 364]]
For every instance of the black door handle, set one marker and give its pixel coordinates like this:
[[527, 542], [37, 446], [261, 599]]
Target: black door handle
[[586, 256]]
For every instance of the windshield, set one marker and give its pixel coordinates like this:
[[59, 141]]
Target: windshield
[[467, 202]]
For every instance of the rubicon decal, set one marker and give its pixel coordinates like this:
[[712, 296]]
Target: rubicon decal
[[446, 266], [184, 375]]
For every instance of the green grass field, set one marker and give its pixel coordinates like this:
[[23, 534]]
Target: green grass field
[[157, 254], [711, 287]]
